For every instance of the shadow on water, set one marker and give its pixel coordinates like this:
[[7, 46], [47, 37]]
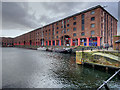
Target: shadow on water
[[40, 69]]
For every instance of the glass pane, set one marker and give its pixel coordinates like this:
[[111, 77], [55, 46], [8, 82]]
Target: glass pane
[[92, 32], [92, 12], [91, 25], [82, 27], [82, 34]]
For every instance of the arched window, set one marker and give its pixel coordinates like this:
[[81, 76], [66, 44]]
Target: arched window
[[92, 32], [82, 34]]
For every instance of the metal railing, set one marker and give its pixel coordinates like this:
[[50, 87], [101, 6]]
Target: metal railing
[[105, 83]]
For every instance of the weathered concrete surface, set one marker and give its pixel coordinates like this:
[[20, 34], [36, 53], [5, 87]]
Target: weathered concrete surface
[[97, 57], [108, 56]]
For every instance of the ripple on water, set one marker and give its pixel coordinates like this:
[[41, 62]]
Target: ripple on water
[[41, 69]]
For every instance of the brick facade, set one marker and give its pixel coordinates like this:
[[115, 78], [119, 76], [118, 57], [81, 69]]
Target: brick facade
[[92, 27], [6, 41]]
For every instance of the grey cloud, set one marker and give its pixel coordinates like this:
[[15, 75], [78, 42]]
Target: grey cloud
[[44, 19], [119, 18], [0, 15], [119, 12], [61, 7], [16, 15], [69, 8], [59, 10]]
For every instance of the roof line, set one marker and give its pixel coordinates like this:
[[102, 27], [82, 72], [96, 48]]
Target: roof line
[[92, 8]]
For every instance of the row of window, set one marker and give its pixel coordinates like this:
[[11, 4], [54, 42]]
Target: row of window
[[83, 21], [74, 23], [67, 25], [74, 18], [83, 33], [74, 29], [74, 34], [64, 22]]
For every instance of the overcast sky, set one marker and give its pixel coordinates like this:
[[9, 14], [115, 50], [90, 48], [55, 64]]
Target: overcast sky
[[22, 17]]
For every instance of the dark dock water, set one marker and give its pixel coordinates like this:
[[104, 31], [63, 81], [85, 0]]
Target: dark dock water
[[24, 68]]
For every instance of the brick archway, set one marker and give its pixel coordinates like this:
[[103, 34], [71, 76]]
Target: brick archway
[[30, 42], [65, 40], [24, 42]]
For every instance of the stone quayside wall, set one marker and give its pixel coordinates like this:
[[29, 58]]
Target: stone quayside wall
[[107, 59]]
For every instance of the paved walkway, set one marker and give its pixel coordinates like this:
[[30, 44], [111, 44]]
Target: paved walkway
[[108, 56], [110, 49]]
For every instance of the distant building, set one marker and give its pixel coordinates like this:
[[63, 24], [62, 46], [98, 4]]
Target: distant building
[[91, 27], [6, 41]]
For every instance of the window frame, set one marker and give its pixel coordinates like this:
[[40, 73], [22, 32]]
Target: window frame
[[74, 34], [68, 20], [74, 23], [92, 12], [57, 32], [92, 18], [92, 25], [74, 29], [68, 25], [83, 34], [93, 33], [74, 18], [68, 30]]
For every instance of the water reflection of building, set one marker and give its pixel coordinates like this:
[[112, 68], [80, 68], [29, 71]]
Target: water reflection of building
[[91, 27]]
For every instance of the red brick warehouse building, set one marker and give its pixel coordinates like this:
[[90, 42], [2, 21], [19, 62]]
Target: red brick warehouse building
[[6, 41], [92, 27]]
